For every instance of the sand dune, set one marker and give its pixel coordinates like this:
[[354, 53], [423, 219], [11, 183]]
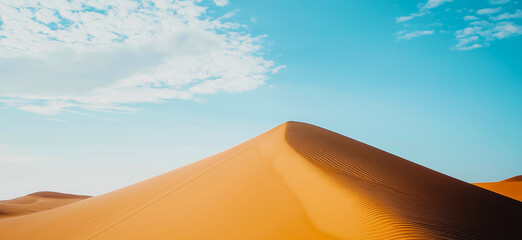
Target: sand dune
[[36, 202], [296, 181], [511, 187]]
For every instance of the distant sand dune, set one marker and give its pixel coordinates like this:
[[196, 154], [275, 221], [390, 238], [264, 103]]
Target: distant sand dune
[[36, 202], [511, 187], [513, 179], [296, 181]]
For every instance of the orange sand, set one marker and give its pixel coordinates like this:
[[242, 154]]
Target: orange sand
[[36, 202], [296, 181], [511, 187]]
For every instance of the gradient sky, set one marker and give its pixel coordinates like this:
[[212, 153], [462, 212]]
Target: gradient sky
[[97, 95]]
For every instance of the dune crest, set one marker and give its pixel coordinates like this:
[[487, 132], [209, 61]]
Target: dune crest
[[511, 187], [513, 179], [296, 181], [36, 202]]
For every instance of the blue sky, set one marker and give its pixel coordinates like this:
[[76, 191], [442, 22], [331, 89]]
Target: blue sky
[[96, 95]]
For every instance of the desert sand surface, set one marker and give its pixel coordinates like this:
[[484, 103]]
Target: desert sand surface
[[511, 187], [36, 202], [296, 181]]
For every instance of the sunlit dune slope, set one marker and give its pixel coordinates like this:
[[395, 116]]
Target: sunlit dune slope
[[296, 181], [36, 202], [511, 187]]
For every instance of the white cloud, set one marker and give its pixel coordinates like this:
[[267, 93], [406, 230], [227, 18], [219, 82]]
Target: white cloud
[[436, 24], [46, 15], [467, 41], [434, 3], [221, 3], [489, 11], [499, 1], [469, 31], [477, 31], [506, 29], [407, 18], [473, 46], [49, 108], [504, 16], [409, 35], [470, 18], [423, 9], [480, 23], [482, 34], [403, 18], [103, 56]]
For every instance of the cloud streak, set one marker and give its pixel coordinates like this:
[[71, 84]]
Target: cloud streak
[[403, 35], [409, 17], [221, 3], [504, 16], [483, 33], [499, 1], [106, 56], [471, 18], [488, 11], [434, 3], [479, 28], [423, 9]]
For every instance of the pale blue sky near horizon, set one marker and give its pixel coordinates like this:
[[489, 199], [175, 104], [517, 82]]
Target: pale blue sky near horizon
[[437, 82]]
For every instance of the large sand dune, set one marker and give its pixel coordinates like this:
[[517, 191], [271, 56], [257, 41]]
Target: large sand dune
[[36, 202], [296, 181], [511, 187]]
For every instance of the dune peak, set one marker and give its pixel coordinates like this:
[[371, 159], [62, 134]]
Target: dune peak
[[296, 181], [511, 187], [36, 202], [49, 194], [513, 179]]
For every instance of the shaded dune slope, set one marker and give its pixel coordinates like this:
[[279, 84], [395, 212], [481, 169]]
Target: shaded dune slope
[[419, 199], [511, 187], [296, 181], [36, 202], [513, 179]]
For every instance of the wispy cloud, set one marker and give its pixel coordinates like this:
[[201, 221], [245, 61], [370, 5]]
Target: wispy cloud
[[506, 29], [504, 16], [221, 3], [489, 10], [499, 1], [477, 31], [409, 35], [470, 18], [409, 17], [106, 56], [434, 3], [482, 34], [423, 9], [48, 108]]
